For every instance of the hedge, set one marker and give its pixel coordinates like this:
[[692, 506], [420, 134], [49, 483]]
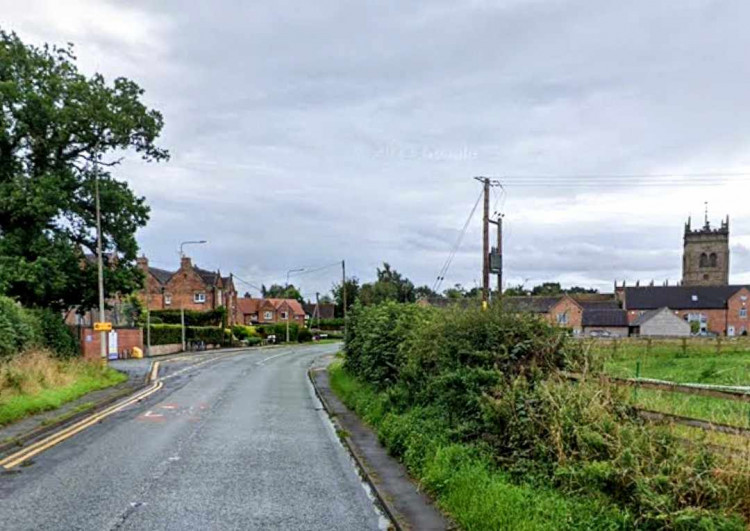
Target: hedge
[[170, 334], [192, 317], [22, 329], [328, 324], [279, 330]]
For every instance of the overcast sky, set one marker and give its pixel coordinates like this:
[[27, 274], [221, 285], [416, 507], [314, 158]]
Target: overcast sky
[[305, 132]]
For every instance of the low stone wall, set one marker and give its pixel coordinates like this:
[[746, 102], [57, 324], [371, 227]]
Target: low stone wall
[[163, 350]]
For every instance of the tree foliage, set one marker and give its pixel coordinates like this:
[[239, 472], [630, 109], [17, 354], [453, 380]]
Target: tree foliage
[[277, 291], [352, 294], [59, 131], [389, 286]]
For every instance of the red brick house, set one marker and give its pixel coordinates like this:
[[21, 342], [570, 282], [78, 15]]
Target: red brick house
[[189, 288], [720, 310], [251, 311]]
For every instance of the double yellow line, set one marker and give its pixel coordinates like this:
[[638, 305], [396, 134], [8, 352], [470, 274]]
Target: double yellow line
[[48, 442]]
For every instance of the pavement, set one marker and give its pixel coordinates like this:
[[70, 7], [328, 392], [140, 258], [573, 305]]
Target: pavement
[[407, 506], [233, 440]]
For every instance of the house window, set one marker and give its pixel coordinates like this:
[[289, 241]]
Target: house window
[[167, 299], [267, 316], [284, 315], [199, 297], [743, 313], [562, 318]]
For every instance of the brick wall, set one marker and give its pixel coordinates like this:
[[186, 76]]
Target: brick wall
[[127, 338], [573, 310], [717, 319], [735, 318]]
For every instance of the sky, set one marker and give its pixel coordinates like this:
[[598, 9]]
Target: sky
[[303, 133]]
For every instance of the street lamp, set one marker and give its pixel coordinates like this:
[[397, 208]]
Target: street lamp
[[288, 309], [182, 302], [190, 242]]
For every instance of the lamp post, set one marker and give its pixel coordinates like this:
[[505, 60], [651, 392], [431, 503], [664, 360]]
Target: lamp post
[[182, 303], [100, 265], [288, 308]]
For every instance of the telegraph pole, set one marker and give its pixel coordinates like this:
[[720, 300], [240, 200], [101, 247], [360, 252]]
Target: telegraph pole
[[343, 291], [487, 183], [499, 223]]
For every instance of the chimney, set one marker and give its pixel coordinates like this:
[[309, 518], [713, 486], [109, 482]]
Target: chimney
[[186, 263], [142, 263]]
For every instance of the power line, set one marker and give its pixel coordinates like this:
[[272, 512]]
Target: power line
[[444, 270]]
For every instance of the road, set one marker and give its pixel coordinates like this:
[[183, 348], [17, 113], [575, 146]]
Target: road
[[239, 442]]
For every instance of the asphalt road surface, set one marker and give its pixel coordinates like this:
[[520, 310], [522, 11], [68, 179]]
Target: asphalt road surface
[[240, 442]]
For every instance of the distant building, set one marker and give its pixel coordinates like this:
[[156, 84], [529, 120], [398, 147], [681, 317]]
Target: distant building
[[705, 258], [660, 323], [251, 311], [582, 314], [322, 311], [189, 288], [720, 310]]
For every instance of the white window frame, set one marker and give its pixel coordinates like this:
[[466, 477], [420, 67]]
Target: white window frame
[[743, 313], [167, 299], [562, 318], [267, 315], [199, 297]]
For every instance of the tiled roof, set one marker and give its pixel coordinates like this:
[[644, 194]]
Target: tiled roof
[[293, 304], [679, 297], [162, 275], [611, 304], [208, 277], [326, 311], [248, 306], [604, 317], [531, 304]]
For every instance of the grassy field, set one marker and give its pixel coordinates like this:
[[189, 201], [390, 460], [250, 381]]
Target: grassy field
[[462, 477], [695, 361], [35, 382], [707, 408]]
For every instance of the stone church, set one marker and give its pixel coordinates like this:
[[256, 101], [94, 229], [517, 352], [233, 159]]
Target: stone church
[[705, 258]]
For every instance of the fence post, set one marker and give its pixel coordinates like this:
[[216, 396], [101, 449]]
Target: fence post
[[718, 345], [648, 346], [637, 376], [614, 348], [684, 347]]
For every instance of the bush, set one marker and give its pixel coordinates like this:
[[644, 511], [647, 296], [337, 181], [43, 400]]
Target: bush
[[304, 335], [19, 328], [56, 336], [493, 380], [279, 330], [336, 323], [244, 332], [253, 341]]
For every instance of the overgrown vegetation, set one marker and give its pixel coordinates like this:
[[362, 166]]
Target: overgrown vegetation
[[36, 381], [22, 329], [489, 382]]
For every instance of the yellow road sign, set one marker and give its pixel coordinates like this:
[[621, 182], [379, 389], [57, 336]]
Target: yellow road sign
[[102, 327]]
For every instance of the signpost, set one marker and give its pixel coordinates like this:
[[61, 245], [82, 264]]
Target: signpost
[[102, 327]]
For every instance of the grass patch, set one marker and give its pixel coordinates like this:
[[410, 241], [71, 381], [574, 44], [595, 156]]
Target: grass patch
[[719, 410], [699, 362], [35, 381], [462, 477]]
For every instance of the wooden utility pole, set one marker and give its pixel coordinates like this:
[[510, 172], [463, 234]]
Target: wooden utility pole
[[343, 291], [317, 307], [485, 241], [500, 252]]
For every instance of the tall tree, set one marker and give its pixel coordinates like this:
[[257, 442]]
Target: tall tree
[[390, 286], [352, 294], [60, 131], [277, 291]]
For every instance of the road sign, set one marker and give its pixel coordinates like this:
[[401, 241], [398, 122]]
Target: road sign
[[102, 327]]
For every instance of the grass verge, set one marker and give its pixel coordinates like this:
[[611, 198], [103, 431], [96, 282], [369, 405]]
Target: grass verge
[[462, 477], [35, 381]]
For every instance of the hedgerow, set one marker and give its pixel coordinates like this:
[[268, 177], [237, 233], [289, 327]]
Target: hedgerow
[[493, 380], [22, 329]]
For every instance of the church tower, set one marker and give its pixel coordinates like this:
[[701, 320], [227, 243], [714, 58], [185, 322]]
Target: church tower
[[705, 258]]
